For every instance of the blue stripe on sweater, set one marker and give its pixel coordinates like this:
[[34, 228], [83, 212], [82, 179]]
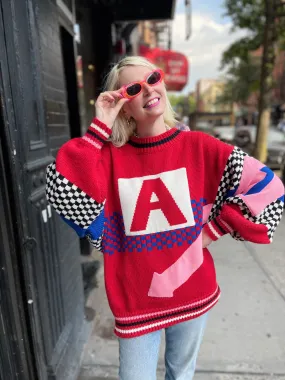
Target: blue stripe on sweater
[[95, 229], [231, 192], [79, 230], [258, 187]]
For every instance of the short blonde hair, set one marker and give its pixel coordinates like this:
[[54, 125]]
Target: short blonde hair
[[122, 130]]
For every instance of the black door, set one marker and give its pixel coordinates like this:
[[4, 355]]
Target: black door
[[16, 351], [51, 271], [70, 76]]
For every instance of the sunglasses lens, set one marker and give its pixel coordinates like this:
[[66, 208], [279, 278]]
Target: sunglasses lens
[[154, 78], [134, 89]]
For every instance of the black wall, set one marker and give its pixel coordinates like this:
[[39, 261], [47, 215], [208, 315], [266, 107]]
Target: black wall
[[103, 48], [36, 124], [48, 250], [58, 131]]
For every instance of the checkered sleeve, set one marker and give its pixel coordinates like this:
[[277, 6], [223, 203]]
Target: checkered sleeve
[[76, 184], [249, 202]]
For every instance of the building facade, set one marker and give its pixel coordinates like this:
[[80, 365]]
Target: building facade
[[54, 55]]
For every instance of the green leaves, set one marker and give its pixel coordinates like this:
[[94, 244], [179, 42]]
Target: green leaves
[[242, 79], [240, 50], [246, 14], [250, 15], [183, 103], [240, 59]]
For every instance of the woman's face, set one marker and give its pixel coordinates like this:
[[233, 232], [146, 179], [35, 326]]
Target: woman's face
[[139, 107]]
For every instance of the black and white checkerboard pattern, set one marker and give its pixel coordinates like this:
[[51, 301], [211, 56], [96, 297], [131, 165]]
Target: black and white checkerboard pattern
[[230, 179], [270, 216], [242, 205], [97, 243], [69, 201], [236, 236]]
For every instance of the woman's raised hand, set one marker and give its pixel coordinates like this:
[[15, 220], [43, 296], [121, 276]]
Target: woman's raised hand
[[108, 105]]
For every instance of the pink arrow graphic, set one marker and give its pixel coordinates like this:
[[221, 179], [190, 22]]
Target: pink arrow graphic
[[164, 284], [206, 211]]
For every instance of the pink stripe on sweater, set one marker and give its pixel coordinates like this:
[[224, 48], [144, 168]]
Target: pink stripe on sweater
[[250, 176], [257, 202], [92, 142], [206, 212]]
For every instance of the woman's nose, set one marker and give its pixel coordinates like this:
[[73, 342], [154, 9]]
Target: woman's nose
[[147, 88]]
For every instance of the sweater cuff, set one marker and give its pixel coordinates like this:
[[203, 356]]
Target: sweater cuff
[[97, 133], [216, 228]]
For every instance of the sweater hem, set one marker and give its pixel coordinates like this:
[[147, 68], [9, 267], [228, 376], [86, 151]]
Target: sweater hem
[[130, 327]]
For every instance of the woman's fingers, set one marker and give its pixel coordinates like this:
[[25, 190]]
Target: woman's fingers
[[120, 104], [106, 96], [110, 96], [116, 93], [108, 105]]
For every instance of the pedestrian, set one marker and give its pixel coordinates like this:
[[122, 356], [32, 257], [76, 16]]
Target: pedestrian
[[182, 127], [152, 198]]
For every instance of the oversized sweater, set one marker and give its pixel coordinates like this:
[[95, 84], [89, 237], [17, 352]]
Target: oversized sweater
[[144, 205]]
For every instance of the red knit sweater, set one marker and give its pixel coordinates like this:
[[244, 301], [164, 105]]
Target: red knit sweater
[[145, 204]]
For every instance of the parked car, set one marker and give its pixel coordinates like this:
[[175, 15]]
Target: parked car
[[281, 125], [245, 136], [224, 133], [205, 127]]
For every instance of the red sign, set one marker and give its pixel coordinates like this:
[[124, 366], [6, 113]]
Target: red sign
[[79, 71], [175, 66]]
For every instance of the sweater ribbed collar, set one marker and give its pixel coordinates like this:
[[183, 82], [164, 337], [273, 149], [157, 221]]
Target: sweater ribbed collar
[[154, 142]]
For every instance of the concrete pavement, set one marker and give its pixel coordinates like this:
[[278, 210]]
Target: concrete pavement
[[245, 337]]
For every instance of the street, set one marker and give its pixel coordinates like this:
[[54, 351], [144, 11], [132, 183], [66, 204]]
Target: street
[[245, 336]]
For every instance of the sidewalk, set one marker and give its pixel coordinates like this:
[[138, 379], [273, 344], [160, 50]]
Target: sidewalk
[[245, 338]]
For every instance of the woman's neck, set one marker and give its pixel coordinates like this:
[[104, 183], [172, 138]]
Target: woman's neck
[[151, 128]]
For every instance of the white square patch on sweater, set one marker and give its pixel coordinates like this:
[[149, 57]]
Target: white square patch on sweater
[[156, 203]]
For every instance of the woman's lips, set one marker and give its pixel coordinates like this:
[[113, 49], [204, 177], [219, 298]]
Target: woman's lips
[[154, 104]]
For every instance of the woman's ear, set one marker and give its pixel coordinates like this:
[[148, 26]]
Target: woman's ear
[[125, 112]]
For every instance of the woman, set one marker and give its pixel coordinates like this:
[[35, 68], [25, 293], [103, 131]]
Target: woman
[[152, 198]]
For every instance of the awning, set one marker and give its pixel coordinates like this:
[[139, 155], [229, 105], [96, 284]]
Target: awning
[[138, 10], [175, 66]]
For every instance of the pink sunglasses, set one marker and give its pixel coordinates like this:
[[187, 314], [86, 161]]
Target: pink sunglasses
[[135, 88]]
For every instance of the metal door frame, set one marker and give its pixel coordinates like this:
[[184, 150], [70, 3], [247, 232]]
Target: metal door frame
[[15, 328], [15, 129], [16, 351]]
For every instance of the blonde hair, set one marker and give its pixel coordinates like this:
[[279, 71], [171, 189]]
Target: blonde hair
[[122, 129]]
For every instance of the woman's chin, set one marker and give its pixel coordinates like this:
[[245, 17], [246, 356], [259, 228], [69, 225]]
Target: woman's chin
[[154, 112]]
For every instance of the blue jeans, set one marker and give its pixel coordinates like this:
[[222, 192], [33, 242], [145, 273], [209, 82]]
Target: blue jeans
[[139, 356]]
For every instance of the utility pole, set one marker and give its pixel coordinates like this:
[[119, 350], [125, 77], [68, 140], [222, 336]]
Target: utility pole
[[169, 35], [188, 13], [232, 116], [275, 21]]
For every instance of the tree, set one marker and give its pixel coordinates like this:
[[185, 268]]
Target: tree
[[241, 80], [175, 100], [192, 103], [183, 104], [264, 21]]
